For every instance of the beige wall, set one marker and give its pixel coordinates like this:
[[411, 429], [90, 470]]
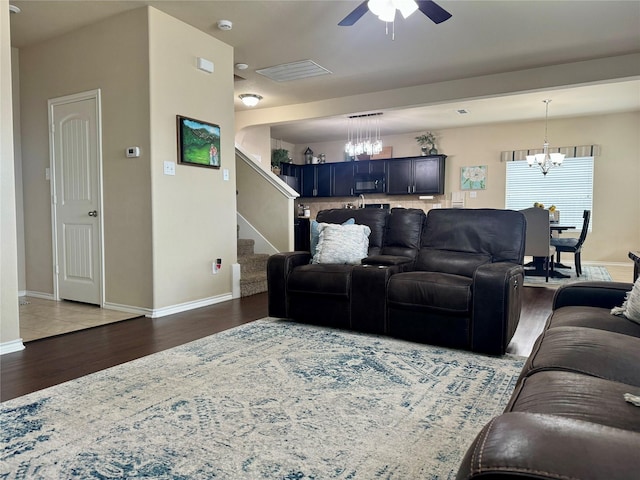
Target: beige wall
[[9, 325], [112, 56], [17, 150], [194, 212], [265, 207], [616, 210], [256, 141]]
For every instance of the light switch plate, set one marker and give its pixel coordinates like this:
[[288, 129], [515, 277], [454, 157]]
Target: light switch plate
[[169, 168], [225, 174]]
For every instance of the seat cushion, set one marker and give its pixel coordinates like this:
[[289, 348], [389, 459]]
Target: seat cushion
[[607, 355], [592, 317], [577, 396], [431, 290], [564, 244], [322, 279]]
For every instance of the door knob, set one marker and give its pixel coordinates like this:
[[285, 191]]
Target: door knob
[[93, 213]]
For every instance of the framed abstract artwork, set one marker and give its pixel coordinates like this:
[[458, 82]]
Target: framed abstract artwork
[[198, 143], [473, 178]]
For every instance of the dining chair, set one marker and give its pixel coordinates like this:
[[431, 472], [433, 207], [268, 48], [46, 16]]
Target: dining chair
[[538, 237], [573, 244]]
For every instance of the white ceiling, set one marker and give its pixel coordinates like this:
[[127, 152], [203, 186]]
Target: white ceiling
[[482, 37]]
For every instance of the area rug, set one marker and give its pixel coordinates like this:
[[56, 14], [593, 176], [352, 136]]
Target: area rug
[[268, 400], [589, 273]]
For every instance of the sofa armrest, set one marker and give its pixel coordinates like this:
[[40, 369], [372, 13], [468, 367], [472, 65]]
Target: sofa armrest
[[591, 294], [497, 301], [405, 263], [528, 445], [279, 266]]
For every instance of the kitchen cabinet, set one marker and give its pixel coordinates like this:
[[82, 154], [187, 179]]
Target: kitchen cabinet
[[415, 175], [342, 176], [315, 180], [370, 166]]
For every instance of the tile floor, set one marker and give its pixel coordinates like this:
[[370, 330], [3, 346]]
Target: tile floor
[[40, 318]]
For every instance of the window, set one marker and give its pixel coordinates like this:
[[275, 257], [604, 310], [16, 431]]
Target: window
[[568, 187]]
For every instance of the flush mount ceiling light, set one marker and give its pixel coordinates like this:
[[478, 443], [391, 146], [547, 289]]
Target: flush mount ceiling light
[[250, 99], [14, 9], [545, 160]]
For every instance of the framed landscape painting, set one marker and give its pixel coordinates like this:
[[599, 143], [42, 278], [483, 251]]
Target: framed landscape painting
[[198, 143]]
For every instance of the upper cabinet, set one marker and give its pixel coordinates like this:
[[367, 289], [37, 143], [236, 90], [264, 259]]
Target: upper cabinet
[[406, 176]]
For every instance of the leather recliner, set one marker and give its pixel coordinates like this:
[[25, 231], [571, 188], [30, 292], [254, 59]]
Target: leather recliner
[[465, 287]]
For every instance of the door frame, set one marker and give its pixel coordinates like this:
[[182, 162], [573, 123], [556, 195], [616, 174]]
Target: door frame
[[96, 96]]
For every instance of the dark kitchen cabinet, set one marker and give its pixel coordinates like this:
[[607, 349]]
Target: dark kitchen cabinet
[[370, 166], [315, 181], [416, 175], [342, 176]]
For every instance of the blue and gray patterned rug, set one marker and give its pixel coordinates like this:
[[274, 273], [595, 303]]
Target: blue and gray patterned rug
[[589, 273], [268, 400]]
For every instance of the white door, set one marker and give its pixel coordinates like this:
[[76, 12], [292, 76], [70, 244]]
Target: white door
[[76, 196]]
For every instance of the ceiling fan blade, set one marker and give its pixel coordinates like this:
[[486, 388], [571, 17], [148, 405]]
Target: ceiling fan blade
[[354, 16], [434, 11]]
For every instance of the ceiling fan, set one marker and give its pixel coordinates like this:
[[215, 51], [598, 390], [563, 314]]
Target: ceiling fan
[[386, 10]]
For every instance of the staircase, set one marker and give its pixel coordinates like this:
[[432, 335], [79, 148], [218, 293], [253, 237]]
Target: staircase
[[253, 268]]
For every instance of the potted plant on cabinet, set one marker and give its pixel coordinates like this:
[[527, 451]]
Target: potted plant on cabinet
[[278, 155], [427, 143]]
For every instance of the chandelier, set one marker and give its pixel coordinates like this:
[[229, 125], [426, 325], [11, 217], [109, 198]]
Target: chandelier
[[545, 160], [363, 135]]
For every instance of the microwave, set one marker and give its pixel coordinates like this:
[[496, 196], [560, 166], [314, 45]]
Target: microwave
[[369, 183]]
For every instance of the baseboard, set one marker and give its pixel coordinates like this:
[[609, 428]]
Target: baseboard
[[44, 296], [183, 307], [127, 309], [11, 347]]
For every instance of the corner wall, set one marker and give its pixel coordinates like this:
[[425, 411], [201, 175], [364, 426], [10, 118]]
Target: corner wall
[[194, 211], [9, 324]]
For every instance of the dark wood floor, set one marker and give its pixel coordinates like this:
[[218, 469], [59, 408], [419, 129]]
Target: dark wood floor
[[54, 360]]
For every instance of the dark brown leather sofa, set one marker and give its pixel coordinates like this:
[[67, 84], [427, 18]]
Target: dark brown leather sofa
[[568, 418], [452, 278]]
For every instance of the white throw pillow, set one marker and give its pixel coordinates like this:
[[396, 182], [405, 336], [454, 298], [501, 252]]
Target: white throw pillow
[[342, 244], [631, 306]]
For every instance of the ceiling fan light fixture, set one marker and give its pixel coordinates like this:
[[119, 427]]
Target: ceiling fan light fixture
[[385, 10], [406, 7], [250, 99]]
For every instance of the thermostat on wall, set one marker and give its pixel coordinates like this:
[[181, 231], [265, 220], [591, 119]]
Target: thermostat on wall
[[133, 152]]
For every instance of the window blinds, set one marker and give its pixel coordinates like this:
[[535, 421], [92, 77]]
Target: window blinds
[[568, 187]]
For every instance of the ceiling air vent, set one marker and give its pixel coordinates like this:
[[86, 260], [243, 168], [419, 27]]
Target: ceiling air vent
[[293, 71], [462, 111]]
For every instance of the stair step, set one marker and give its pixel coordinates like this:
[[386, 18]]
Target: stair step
[[253, 283], [253, 263], [245, 246]]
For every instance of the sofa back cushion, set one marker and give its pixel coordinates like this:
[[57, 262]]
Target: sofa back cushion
[[445, 261], [402, 233], [459, 240], [374, 218]]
